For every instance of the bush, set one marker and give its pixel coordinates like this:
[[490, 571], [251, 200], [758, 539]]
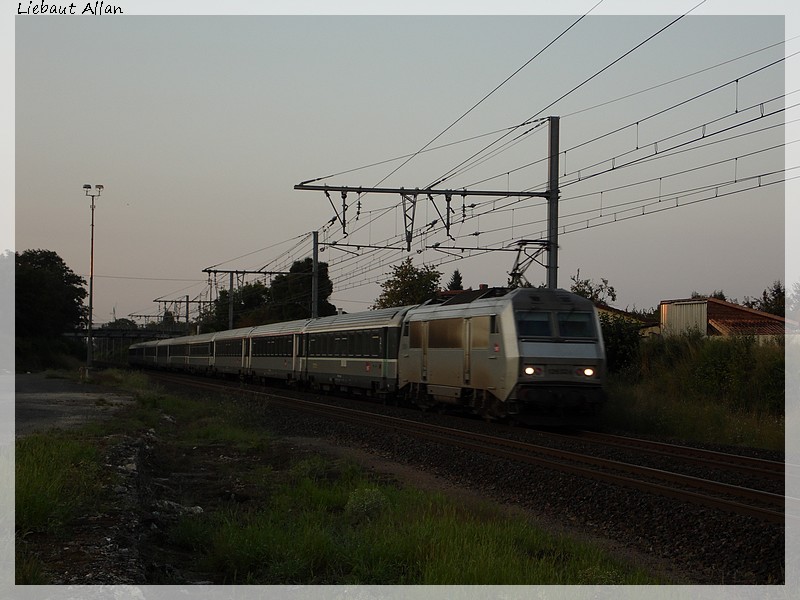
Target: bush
[[38, 354], [621, 338], [736, 372]]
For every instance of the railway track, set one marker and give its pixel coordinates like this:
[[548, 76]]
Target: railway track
[[747, 501], [756, 467]]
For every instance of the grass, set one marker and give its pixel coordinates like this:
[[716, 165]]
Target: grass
[[331, 525], [57, 476], [638, 409]]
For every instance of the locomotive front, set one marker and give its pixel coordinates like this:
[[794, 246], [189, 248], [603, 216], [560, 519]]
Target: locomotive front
[[560, 367]]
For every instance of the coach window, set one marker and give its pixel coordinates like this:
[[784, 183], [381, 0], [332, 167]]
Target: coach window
[[325, 338], [374, 343], [393, 342], [320, 350], [338, 344]]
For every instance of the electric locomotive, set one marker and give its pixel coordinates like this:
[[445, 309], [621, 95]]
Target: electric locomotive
[[528, 351]]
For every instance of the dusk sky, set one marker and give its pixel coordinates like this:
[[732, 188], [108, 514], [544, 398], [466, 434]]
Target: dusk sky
[[671, 165]]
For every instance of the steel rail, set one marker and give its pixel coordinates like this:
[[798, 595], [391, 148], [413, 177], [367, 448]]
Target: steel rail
[[748, 465]]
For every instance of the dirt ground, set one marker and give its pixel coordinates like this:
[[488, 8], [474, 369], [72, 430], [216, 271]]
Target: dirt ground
[[43, 402]]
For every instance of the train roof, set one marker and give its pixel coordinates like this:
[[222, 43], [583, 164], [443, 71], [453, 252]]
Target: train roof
[[232, 333], [283, 328], [383, 317], [493, 300]]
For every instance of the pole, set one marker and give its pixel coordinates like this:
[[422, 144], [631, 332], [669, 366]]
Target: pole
[[91, 290], [552, 206], [230, 302], [315, 277]]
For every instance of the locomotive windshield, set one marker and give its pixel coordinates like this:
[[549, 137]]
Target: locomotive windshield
[[567, 324], [575, 325], [534, 324]]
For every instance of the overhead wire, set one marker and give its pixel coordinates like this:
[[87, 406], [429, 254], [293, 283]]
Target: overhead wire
[[501, 84], [372, 254], [447, 174]]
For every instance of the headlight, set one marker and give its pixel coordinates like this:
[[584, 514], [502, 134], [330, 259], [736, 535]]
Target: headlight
[[585, 371], [532, 371]]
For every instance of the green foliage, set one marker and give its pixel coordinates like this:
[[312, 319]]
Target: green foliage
[[718, 294], [772, 300], [55, 477], [722, 390], [365, 504], [329, 525], [599, 293], [36, 353], [456, 282], [291, 293], [247, 299], [48, 295], [409, 285], [28, 568], [286, 299], [621, 338]]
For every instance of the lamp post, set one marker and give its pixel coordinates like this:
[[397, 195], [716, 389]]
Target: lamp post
[[88, 191]]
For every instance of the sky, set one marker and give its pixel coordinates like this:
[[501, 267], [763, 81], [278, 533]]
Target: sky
[[200, 126]]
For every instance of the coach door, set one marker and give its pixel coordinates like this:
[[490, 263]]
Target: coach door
[[416, 363], [423, 325], [467, 350]]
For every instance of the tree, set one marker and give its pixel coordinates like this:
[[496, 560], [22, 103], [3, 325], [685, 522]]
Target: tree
[[121, 324], [599, 293], [246, 299], [408, 285], [772, 300], [286, 299], [291, 293], [718, 294], [48, 295], [455, 282]]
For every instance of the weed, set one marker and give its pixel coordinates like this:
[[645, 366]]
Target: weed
[[55, 477]]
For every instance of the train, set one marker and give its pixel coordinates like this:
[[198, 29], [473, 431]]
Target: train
[[527, 353]]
